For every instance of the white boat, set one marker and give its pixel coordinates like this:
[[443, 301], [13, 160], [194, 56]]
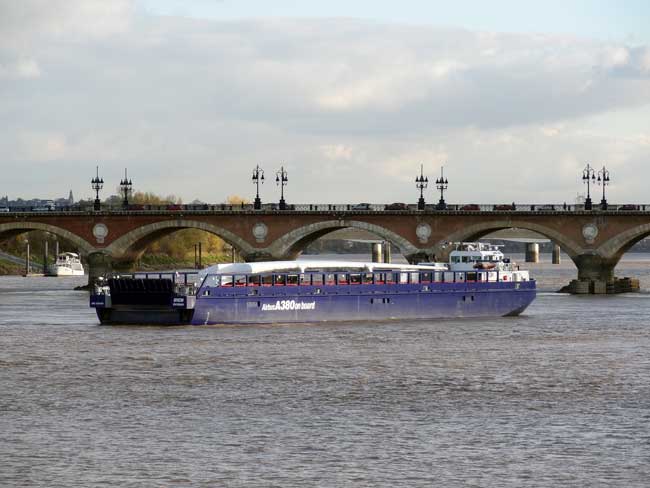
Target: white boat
[[67, 264]]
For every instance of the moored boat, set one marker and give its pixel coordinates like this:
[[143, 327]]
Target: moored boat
[[478, 281], [67, 264]]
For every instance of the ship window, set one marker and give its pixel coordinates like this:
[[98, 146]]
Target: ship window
[[403, 277], [391, 277], [465, 259], [240, 280], [455, 259], [342, 278], [317, 279], [211, 281], [252, 304], [254, 280], [292, 280], [355, 279], [367, 278], [305, 279], [329, 279], [426, 277], [280, 280], [415, 278], [380, 278], [267, 280], [226, 280]]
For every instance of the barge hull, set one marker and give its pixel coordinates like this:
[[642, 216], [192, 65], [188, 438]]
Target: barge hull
[[452, 301]]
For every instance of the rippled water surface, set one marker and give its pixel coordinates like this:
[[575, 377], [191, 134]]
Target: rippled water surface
[[557, 397]]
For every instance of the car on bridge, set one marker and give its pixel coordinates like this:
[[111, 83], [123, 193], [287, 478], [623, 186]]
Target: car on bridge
[[505, 207], [396, 206], [361, 206], [470, 207], [4, 209], [545, 208]]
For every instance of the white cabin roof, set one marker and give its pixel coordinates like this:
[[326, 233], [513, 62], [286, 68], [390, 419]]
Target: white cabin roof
[[302, 266]]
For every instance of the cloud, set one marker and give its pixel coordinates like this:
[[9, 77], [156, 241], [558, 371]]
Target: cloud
[[335, 100], [632, 62], [20, 69]]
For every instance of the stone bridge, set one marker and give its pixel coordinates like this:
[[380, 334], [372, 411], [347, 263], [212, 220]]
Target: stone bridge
[[595, 240]]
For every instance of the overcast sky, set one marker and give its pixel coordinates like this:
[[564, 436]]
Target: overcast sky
[[351, 97]]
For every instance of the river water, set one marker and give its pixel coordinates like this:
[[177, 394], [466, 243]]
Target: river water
[[559, 396]]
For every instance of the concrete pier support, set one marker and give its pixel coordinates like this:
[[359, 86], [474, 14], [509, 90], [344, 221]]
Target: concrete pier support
[[532, 252], [594, 267], [377, 254], [99, 264], [387, 252], [596, 276], [555, 259]]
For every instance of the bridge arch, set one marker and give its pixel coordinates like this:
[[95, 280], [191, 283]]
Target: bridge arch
[[136, 241], [617, 246], [13, 229], [292, 243], [476, 231]]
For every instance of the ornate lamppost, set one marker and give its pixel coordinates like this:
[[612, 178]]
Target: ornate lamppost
[[258, 177], [97, 184], [603, 179], [421, 182], [281, 179], [589, 177], [442, 184], [125, 187]]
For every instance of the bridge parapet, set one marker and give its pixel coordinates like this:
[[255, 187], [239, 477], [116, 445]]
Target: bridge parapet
[[612, 209]]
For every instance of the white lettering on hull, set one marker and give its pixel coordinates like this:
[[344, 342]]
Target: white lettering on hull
[[288, 305]]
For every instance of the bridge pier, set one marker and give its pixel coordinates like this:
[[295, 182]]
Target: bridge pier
[[596, 276], [419, 257], [99, 264], [594, 267], [254, 257]]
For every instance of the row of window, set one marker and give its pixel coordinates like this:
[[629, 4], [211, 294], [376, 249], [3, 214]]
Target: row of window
[[320, 279], [474, 259]]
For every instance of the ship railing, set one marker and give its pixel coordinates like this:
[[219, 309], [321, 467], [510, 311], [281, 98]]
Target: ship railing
[[184, 282]]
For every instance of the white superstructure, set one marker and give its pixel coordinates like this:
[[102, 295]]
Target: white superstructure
[[480, 256], [67, 264], [466, 257]]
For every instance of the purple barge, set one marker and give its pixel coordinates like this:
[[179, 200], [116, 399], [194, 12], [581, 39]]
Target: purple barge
[[478, 282]]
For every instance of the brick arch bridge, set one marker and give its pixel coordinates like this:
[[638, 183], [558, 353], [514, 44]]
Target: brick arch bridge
[[595, 241]]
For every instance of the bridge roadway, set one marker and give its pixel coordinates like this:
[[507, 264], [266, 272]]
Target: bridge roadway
[[595, 240]]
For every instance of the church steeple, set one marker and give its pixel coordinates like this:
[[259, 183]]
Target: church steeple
[[70, 198]]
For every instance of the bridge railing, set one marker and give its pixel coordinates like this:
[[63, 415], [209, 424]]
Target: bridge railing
[[334, 207]]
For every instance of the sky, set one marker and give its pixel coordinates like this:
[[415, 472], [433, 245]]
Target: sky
[[513, 99]]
